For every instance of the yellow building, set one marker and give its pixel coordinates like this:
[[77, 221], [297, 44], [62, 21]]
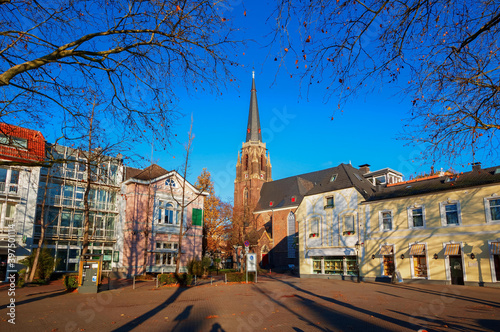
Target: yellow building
[[443, 229]]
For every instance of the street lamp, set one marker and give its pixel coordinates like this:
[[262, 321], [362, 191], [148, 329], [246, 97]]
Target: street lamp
[[357, 245]]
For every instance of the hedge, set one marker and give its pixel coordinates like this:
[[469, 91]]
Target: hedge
[[239, 277], [182, 279]]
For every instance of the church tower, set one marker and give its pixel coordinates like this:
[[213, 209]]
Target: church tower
[[253, 167]]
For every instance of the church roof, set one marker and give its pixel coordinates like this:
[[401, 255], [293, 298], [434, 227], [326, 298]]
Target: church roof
[[280, 192], [253, 127]]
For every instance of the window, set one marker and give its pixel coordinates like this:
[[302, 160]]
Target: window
[[314, 227], [16, 142], [166, 253], [387, 253], [170, 182], [492, 209], [166, 214], [385, 220], [333, 178], [329, 202], [317, 265], [348, 227], [380, 179], [450, 213], [416, 216]]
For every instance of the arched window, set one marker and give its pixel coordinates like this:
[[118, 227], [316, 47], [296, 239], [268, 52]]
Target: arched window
[[245, 196], [291, 235], [166, 214]]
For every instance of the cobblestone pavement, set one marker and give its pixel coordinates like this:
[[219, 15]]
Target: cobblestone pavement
[[275, 303]]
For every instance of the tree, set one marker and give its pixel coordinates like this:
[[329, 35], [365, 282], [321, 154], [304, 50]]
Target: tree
[[184, 202], [53, 55], [216, 215], [444, 54]]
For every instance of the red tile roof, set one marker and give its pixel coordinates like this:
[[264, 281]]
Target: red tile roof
[[36, 144]]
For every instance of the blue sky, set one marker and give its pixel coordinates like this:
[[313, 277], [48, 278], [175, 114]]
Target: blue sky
[[296, 126]]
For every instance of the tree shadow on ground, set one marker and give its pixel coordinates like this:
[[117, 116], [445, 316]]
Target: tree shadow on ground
[[147, 315], [344, 321], [34, 299], [449, 291]]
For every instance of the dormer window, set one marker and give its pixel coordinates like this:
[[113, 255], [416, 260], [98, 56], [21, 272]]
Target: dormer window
[[15, 142], [271, 203], [293, 199], [333, 178]]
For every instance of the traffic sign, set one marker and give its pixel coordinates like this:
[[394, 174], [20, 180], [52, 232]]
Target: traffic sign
[[247, 244]]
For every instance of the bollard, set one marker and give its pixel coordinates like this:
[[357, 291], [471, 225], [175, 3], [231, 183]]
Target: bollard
[[211, 279], [195, 280], [156, 282], [225, 278], [134, 283]]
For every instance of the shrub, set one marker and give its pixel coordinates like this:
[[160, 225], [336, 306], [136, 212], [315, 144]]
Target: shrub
[[70, 281], [21, 278], [195, 267], [182, 279], [45, 263], [239, 277], [205, 263]]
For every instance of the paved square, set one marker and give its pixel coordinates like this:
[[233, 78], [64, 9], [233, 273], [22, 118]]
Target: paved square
[[275, 303]]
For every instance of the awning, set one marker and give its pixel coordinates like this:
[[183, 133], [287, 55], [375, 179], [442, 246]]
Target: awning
[[417, 249], [452, 249], [385, 250], [495, 248], [343, 251]]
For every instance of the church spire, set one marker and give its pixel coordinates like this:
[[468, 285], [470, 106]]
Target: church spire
[[253, 128]]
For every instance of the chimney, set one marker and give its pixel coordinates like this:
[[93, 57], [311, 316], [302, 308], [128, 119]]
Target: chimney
[[365, 168], [476, 167]]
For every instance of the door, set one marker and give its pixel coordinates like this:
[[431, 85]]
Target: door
[[265, 260], [456, 270]]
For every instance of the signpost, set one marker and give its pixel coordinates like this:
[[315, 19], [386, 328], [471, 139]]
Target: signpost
[[251, 265]]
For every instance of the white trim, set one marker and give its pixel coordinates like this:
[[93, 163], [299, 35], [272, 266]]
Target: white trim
[[278, 209], [410, 216], [442, 211], [381, 221], [487, 209], [412, 267]]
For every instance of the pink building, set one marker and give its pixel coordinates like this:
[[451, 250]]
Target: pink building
[[152, 204]]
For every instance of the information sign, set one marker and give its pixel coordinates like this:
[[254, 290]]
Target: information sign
[[252, 262]]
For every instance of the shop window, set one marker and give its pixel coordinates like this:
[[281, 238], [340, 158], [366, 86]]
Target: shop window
[[317, 262], [419, 260], [334, 265]]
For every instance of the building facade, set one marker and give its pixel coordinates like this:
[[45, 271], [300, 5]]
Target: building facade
[[152, 212], [21, 150], [441, 229], [61, 195]]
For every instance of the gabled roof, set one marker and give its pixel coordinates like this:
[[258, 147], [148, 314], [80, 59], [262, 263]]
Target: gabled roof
[[151, 172], [280, 192], [473, 178], [346, 177], [35, 144]]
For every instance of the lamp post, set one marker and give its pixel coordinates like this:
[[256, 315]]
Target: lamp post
[[357, 245]]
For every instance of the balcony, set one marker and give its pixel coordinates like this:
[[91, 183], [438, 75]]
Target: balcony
[[9, 189]]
